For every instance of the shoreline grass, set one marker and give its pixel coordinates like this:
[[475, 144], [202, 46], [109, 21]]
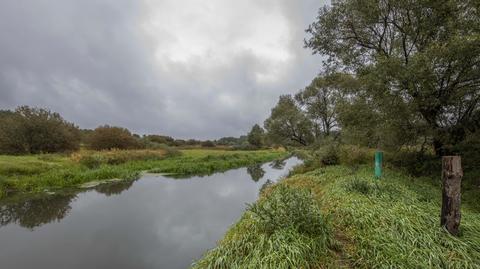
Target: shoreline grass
[[37, 173], [390, 223]]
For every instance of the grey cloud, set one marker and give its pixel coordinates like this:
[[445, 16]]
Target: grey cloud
[[90, 61]]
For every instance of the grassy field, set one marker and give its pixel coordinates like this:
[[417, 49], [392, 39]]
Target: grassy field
[[36, 173], [391, 223]]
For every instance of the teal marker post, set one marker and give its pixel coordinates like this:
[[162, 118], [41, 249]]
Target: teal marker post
[[378, 164]]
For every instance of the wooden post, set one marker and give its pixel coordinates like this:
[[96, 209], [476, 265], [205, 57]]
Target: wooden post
[[452, 181]]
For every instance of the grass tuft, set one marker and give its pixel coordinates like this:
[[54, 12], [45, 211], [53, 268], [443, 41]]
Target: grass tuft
[[284, 229]]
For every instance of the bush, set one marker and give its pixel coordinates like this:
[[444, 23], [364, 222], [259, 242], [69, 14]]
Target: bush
[[36, 130], [108, 137], [328, 155], [351, 155], [286, 208], [208, 144], [414, 163]]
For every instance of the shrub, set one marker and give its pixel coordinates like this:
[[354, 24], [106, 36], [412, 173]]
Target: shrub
[[286, 208], [109, 137], [208, 144], [414, 163], [351, 155], [36, 130], [327, 155]]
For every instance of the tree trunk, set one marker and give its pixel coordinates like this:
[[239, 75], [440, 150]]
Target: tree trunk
[[451, 199]]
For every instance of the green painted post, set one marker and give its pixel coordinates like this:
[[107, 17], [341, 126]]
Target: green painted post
[[378, 164]]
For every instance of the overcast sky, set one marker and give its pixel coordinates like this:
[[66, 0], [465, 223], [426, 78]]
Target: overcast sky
[[185, 68]]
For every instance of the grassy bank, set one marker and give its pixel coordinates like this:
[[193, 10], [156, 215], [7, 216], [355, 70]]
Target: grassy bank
[[36, 173], [391, 223]]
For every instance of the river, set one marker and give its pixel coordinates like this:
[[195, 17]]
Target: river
[[152, 222]]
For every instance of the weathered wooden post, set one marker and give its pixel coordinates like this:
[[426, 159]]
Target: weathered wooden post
[[378, 164], [452, 181]]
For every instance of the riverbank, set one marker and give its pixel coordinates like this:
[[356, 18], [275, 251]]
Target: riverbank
[[39, 173], [360, 223]]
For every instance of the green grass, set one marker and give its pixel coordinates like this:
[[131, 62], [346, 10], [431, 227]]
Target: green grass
[[36, 173], [391, 223], [394, 222], [285, 229]]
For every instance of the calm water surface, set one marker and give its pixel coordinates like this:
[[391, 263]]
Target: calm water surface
[[154, 222]]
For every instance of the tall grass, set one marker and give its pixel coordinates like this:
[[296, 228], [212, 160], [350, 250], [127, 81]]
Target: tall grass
[[394, 222], [285, 229]]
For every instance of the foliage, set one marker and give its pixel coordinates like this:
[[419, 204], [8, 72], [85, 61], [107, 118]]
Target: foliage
[[287, 125], [319, 100], [93, 159], [208, 144], [328, 155], [418, 62], [360, 185], [256, 136], [160, 139], [36, 130], [232, 141], [206, 162], [286, 208], [354, 156], [109, 137], [392, 222], [36, 173], [298, 237]]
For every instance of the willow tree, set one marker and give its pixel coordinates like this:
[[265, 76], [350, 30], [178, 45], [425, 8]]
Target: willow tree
[[288, 125], [321, 97], [416, 57]]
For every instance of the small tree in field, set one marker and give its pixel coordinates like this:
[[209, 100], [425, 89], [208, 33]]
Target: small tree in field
[[288, 125], [256, 136], [110, 137]]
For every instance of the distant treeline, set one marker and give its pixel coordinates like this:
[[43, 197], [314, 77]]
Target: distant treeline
[[28, 130]]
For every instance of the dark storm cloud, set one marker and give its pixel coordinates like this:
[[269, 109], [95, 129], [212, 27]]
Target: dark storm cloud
[[125, 62]]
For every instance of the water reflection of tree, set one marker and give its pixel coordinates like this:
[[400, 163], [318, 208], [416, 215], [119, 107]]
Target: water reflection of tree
[[256, 172], [37, 211], [114, 188], [278, 164], [265, 185]]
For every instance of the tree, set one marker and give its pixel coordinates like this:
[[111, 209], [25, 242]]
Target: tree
[[417, 57], [161, 139], [208, 144], [319, 100], [36, 130], [110, 137], [287, 124], [256, 136]]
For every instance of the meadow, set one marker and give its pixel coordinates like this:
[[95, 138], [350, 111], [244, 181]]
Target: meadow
[[49, 172], [360, 222]]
